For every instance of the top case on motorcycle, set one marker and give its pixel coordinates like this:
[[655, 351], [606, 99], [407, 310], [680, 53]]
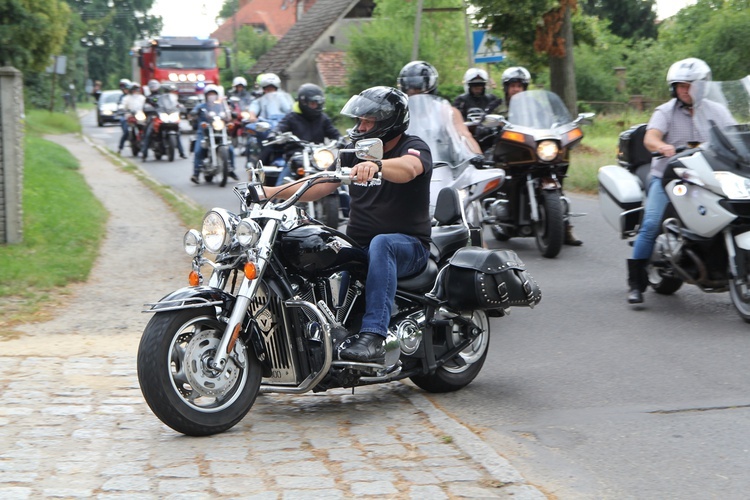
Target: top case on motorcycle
[[631, 153]]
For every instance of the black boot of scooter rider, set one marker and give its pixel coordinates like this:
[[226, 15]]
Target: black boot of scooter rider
[[637, 280]]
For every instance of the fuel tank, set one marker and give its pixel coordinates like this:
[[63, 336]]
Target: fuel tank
[[315, 250]]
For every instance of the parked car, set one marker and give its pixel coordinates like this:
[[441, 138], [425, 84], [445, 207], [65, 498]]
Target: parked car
[[107, 107]]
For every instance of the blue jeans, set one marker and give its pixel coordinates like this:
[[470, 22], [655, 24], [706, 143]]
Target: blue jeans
[[124, 127], [198, 152], [391, 256], [656, 203]]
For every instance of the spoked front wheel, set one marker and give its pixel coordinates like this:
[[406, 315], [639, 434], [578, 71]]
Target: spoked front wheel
[[178, 382], [458, 372]]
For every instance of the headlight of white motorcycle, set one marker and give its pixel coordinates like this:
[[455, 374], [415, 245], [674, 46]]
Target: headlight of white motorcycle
[[193, 243], [547, 150], [218, 124], [734, 186], [248, 232], [323, 158], [216, 231]]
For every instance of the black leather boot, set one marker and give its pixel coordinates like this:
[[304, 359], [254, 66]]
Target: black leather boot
[[364, 347], [637, 280], [570, 238]]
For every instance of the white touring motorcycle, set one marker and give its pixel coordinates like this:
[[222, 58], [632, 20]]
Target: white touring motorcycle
[[285, 291], [705, 233]]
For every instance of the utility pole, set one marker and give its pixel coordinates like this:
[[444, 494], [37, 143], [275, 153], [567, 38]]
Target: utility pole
[[417, 25]]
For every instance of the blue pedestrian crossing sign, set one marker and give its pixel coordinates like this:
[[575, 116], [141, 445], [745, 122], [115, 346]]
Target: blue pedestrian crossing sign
[[487, 49]]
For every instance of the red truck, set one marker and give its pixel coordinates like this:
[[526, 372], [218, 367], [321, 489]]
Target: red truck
[[183, 61]]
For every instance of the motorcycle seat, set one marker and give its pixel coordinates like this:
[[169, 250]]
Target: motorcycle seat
[[422, 281], [450, 233]]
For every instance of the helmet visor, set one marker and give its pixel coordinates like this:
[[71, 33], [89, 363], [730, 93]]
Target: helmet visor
[[412, 82], [362, 107]]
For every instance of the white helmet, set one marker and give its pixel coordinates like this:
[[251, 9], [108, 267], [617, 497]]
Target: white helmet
[[239, 80], [475, 75], [211, 88], [153, 85], [269, 80], [687, 71]]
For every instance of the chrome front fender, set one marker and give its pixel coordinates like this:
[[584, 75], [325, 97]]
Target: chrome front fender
[[191, 297]]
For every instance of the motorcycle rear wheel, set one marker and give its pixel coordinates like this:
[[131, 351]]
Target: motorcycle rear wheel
[[458, 373], [178, 385], [224, 159], [550, 229], [662, 283], [171, 146]]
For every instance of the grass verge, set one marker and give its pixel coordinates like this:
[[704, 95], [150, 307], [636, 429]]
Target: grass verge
[[63, 225]]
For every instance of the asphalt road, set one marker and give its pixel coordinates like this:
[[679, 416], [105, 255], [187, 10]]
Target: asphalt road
[[587, 396]]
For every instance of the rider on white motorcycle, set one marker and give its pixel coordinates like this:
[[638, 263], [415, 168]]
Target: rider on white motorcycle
[[672, 125]]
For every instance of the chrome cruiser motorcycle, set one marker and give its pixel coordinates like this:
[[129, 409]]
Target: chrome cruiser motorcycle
[[285, 291], [705, 233], [533, 146]]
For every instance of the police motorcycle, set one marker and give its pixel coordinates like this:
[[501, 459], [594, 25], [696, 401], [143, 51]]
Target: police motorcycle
[[532, 144], [454, 165], [216, 144], [705, 233], [285, 291], [306, 158]]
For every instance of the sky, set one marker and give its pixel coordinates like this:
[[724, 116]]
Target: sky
[[196, 17]]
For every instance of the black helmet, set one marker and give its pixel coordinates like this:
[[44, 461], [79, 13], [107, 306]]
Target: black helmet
[[418, 75], [389, 108], [307, 94]]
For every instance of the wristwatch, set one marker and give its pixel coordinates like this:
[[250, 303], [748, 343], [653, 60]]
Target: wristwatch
[[379, 164]]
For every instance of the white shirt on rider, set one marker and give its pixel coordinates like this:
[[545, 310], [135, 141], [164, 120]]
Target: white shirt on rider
[[132, 103]]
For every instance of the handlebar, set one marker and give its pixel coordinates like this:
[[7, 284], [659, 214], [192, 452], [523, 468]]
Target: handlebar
[[341, 175]]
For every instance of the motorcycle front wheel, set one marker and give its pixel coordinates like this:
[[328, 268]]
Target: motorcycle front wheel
[[739, 292], [171, 146], [223, 154], [461, 370], [177, 382], [327, 210], [134, 143], [550, 229]]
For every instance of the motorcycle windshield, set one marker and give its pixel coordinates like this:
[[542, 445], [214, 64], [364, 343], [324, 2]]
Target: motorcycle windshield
[[722, 109], [431, 119], [167, 103], [540, 109]]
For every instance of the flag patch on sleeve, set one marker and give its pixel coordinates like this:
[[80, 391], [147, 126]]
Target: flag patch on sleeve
[[413, 152]]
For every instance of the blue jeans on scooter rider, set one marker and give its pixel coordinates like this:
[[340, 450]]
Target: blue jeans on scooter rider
[[671, 126], [204, 112]]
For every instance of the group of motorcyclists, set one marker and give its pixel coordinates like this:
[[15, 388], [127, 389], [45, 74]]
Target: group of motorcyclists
[[306, 119]]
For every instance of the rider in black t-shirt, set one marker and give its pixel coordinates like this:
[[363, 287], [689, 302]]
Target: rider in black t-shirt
[[390, 221]]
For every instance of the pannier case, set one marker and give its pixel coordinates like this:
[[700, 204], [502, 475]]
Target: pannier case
[[621, 199]]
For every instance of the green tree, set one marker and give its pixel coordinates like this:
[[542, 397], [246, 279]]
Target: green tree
[[228, 9], [31, 31], [250, 45], [379, 49], [531, 27], [629, 19]]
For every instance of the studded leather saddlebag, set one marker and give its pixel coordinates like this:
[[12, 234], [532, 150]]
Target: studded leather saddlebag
[[489, 280]]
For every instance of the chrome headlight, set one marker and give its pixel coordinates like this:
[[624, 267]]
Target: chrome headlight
[[193, 243], [218, 124], [323, 158], [734, 186], [248, 232], [216, 230], [547, 150], [140, 116]]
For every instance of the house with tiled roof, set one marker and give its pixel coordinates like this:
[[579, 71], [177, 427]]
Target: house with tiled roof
[[275, 17], [313, 50]]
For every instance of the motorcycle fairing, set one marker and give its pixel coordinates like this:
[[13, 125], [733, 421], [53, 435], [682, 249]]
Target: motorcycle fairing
[[699, 209], [742, 240]]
